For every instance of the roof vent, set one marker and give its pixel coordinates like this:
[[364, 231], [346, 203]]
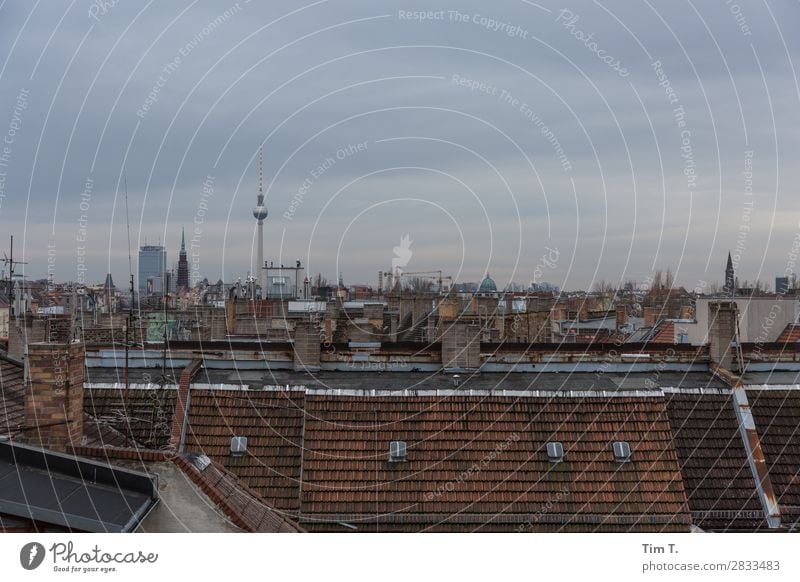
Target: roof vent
[[238, 446], [555, 452], [397, 451], [201, 462], [622, 451]]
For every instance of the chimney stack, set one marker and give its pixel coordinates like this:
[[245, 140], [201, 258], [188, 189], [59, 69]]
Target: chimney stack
[[621, 312], [651, 315], [54, 394], [721, 333], [461, 346], [307, 348]]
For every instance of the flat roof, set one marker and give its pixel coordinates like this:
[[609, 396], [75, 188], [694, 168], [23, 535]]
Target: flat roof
[[368, 380], [72, 492], [777, 377]]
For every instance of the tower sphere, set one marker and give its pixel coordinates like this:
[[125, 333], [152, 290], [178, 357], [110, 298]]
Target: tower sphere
[[260, 212]]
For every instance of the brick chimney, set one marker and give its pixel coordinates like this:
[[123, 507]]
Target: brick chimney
[[306, 347], [54, 394], [650, 316], [449, 308], [559, 313], [621, 312], [721, 332], [461, 345]]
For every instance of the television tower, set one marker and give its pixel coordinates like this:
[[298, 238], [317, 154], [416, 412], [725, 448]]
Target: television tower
[[260, 213]]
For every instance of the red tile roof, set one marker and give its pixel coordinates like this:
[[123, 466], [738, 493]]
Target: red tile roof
[[664, 332], [776, 414], [12, 396], [789, 335], [245, 507], [149, 419], [273, 425], [98, 433], [335, 449], [480, 464], [719, 483]]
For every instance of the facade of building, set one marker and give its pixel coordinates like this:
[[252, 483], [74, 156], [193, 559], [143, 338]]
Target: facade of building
[[761, 319], [152, 270], [781, 285]]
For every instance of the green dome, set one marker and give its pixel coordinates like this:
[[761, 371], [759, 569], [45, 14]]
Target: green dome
[[487, 285]]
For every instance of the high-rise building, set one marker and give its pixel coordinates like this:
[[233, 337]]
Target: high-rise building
[[781, 285], [183, 266], [152, 270]]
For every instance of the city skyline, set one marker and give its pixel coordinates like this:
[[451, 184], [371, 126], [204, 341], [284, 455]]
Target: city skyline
[[171, 268]]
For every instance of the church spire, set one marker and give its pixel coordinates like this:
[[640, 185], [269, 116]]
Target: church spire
[[183, 265], [730, 277]]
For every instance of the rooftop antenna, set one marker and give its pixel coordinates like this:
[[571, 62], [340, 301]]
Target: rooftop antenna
[[128, 221], [9, 261], [130, 305]]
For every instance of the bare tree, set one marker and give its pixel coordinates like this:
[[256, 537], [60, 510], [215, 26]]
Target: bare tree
[[604, 287], [319, 282], [418, 285], [669, 279]]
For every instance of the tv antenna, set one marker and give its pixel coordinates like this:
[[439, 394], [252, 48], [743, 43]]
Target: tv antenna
[[8, 261]]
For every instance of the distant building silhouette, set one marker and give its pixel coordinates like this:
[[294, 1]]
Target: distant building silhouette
[[183, 266], [730, 277], [152, 270]]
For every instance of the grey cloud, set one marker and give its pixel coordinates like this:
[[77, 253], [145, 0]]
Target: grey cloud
[[209, 99]]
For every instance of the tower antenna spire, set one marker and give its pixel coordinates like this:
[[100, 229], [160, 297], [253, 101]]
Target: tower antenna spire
[[128, 222], [126, 403], [261, 172]]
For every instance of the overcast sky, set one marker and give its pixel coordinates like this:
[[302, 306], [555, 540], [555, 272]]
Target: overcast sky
[[562, 142]]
